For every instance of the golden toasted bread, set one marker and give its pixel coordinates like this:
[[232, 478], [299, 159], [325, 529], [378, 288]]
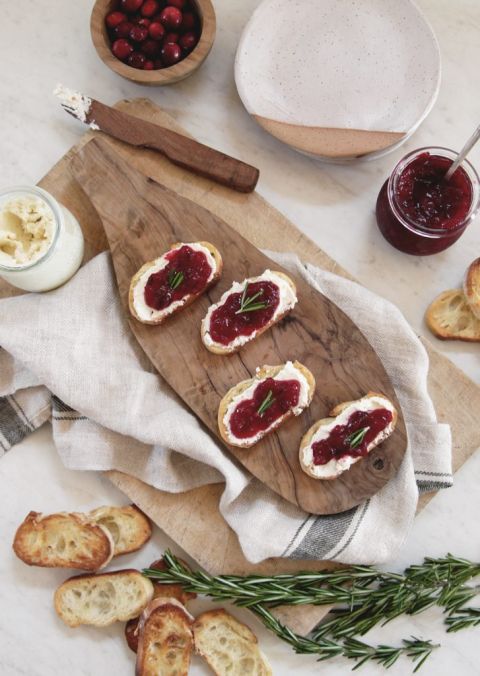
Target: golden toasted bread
[[236, 392], [229, 647], [174, 591], [63, 541], [128, 526], [288, 299], [165, 639], [102, 599], [471, 287], [140, 278], [334, 468], [450, 317]]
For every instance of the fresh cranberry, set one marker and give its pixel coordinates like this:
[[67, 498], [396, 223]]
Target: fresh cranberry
[[188, 22], [136, 60], [130, 5], [123, 29], [142, 21], [170, 37], [138, 34], [122, 49], [150, 47], [148, 65], [179, 4], [188, 41], [171, 53], [114, 18], [158, 64], [171, 17], [156, 31], [149, 8]]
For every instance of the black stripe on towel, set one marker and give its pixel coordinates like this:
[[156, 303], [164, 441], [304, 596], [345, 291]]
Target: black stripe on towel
[[324, 534], [59, 405], [12, 426], [429, 486]]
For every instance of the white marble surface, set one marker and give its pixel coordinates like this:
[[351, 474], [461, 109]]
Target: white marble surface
[[46, 41]]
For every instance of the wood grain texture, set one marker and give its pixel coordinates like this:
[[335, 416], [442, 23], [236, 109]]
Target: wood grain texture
[[179, 149], [142, 220], [192, 520], [153, 78], [329, 142]]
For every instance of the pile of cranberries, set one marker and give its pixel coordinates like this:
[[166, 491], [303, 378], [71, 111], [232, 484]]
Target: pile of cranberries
[[153, 34]]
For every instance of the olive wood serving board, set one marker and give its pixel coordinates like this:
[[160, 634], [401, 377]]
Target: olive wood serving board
[[142, 219]]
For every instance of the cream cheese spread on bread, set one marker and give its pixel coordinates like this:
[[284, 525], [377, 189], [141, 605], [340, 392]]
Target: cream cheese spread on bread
[[289, 372], [288, 299], [335, 467], [146, 313]]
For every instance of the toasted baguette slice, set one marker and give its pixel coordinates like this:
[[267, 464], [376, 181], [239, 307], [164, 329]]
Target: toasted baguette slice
[[471, 287], [165, 639], [63, 541], [333, 468], [136, 302], [288, 299], [228, 646], [128, 526], [174, 591], [239, 392], [103, 599], [449, 317]]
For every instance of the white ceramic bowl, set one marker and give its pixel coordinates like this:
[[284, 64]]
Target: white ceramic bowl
[[338, 79]]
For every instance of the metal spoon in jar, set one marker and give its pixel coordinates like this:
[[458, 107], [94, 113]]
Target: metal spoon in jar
[[463, 153]]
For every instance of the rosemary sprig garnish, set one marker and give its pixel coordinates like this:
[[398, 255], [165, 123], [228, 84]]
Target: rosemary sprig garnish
[[355, 439], [175, 279], [367, 597], [266, 403], [247, 303]]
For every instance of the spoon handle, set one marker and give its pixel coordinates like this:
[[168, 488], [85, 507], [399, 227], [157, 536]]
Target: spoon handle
[[463, 153]]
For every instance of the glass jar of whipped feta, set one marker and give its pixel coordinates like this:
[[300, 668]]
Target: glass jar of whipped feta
[[41, 242]]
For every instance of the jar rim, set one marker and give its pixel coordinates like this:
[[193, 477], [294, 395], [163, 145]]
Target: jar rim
[[58, 221], [420, 229]]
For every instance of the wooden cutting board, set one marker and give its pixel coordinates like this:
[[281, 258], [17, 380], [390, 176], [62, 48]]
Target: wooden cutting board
[[142, 219], [192, 520]]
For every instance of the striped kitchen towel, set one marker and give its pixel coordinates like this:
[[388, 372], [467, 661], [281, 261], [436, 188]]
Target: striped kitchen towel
[[69, 356]]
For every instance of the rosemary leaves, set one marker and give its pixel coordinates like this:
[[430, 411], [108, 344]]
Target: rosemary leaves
[[364, 596], [266, 403], [175, 279], [355, 439], [248, 304]]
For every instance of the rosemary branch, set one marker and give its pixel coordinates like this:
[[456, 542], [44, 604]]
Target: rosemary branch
[[266, 403], [247, 303], [367, 597], [175, 279], [355, 439]]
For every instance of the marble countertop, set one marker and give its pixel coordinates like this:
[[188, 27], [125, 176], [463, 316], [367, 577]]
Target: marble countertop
[[48, 42]]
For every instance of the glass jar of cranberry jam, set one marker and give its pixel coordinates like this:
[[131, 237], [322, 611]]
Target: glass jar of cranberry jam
[[421, 213]]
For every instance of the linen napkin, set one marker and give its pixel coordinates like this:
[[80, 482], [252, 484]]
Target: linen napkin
[[69, 355]]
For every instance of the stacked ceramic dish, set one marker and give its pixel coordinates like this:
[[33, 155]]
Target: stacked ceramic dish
[[338, 79]]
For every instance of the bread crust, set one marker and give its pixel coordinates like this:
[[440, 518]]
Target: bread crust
[[208, 646], [449, 317], [217, 348], [190, 298], [45, 541], [334, 413], [129, 527], [263, 373], [119, 578], [165, 639], [471, 287]]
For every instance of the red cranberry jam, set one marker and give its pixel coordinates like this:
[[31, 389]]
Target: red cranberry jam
[[271, 399], [244, 312], [153, 34], [418, 210], [352, 438], [186, 272]]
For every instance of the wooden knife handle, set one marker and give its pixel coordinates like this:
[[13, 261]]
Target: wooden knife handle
[[205, 161]]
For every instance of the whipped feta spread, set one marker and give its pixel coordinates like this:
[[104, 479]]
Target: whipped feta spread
[[288, 372], [147, 313], [287, 301], [334, 467], [76, 103], [27, 228]]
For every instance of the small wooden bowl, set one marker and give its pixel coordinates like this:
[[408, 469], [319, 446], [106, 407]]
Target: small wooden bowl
[[163, 76]]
